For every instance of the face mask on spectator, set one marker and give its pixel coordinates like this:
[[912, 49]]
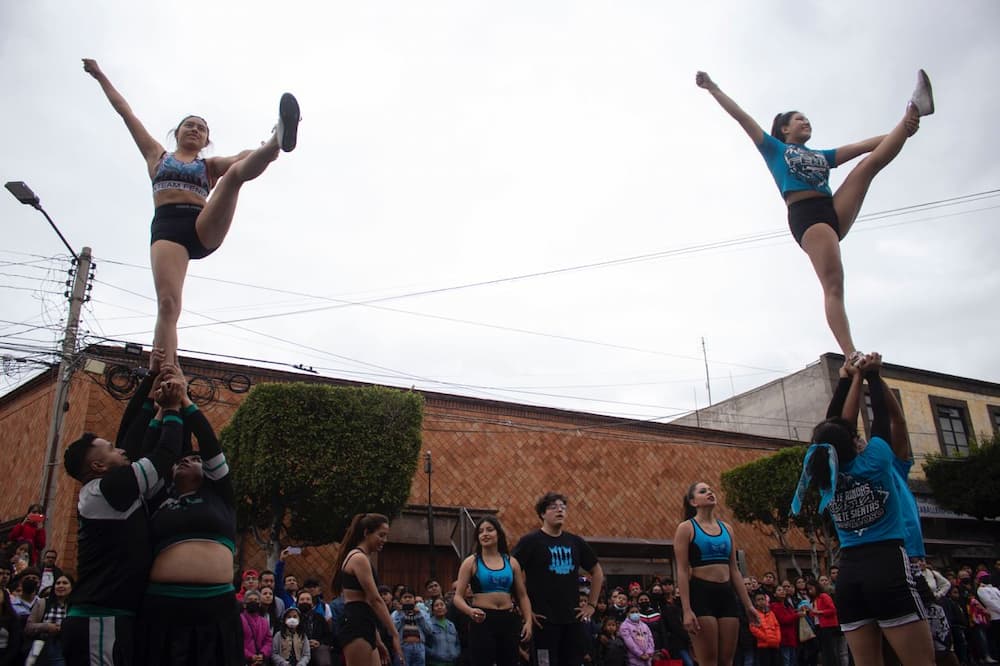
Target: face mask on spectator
[[644, 607], [305, 608], [292, 622], [634, 617], [253, 606], [29, 586]]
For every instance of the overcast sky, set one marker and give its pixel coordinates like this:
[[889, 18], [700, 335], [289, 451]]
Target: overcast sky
[[446, 144]]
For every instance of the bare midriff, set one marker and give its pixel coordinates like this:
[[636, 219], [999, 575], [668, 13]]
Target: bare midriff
[[802, 195], [713, 573], [199, 562], [167, 197], [492, 600]]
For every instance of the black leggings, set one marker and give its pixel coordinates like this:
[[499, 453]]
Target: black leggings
[[495, 639]]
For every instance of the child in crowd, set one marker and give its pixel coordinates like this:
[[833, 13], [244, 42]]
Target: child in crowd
[[413, 627], [637, 637], [610, 647], [290, 646], [767, 633]]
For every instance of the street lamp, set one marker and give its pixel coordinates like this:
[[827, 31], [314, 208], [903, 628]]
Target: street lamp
[[67, 363], [23, 193], [428, 468]]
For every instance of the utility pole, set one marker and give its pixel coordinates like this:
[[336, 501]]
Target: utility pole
[[708, 381], [67, 365], [430, 516]]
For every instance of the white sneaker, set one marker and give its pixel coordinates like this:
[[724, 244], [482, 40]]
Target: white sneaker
[[923, 96], [288, 122]]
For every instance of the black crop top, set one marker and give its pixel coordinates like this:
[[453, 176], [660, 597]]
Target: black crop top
[[349, 581], [208, 514]]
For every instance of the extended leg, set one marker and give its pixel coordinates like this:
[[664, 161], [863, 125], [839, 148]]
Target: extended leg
[[851, 194], [169, 261], [820, 242], [214, 221]]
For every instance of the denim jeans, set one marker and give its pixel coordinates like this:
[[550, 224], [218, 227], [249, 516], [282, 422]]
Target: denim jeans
[[788, 656], [413, 654]]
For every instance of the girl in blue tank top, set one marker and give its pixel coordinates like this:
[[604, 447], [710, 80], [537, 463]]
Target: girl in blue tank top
[[496, 579], [187, 223], [710, 585], [818, 217]]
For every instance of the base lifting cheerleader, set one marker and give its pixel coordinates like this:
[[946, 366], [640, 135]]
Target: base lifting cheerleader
[[876, 595], [819, 219], [187, 224]]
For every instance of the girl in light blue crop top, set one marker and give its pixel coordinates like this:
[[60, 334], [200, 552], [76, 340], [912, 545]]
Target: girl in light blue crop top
[[187, 224], [818, 217]]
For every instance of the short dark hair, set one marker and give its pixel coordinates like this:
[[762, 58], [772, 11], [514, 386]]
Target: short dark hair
[[547, 499], [75, 457], [759, 593], [310, 582]]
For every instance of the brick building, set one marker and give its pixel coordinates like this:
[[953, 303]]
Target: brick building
[[625, 479]]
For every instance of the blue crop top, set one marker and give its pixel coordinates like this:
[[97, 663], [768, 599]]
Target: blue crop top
[[706, 549], [796, 168], [173, 174], [487, 580]]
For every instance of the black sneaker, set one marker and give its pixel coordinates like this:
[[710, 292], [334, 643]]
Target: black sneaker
[[288, 122]]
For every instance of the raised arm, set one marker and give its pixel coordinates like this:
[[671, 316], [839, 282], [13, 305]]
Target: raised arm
[[887, 416], [213, 459], [149, 147], [852, 403], [749, 125]]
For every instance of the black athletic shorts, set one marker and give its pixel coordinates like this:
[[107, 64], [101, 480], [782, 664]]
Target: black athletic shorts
[[359, 621], [875, 585], [176, 223], [803, 214], [710, 599]]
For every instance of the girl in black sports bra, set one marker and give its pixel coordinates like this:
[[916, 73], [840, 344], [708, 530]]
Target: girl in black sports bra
[[187, 223], [364, 608]]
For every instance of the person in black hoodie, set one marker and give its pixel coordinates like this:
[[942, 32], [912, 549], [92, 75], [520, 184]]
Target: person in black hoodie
[[314, 626], [653, 619]]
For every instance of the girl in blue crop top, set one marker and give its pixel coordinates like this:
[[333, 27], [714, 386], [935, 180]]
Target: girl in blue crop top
[[710, 584], [818, 217], [858, 483], [496, 579], [187, 223]]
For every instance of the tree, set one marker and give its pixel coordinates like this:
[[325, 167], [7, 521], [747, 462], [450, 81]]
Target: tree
[[760, 493], [306, 457], [971, 484]]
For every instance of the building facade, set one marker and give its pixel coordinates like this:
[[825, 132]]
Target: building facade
[[625, 479]]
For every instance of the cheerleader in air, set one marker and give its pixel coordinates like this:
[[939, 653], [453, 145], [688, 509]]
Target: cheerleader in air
[[187, 223], [819, 218]]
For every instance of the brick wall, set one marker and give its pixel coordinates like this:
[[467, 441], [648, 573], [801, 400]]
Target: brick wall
[[624, 479]]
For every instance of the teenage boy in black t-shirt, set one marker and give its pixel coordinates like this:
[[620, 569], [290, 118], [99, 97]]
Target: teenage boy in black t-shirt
[[551, 559]]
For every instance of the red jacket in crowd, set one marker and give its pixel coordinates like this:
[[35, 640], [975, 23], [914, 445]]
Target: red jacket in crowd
[[788, 620]]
